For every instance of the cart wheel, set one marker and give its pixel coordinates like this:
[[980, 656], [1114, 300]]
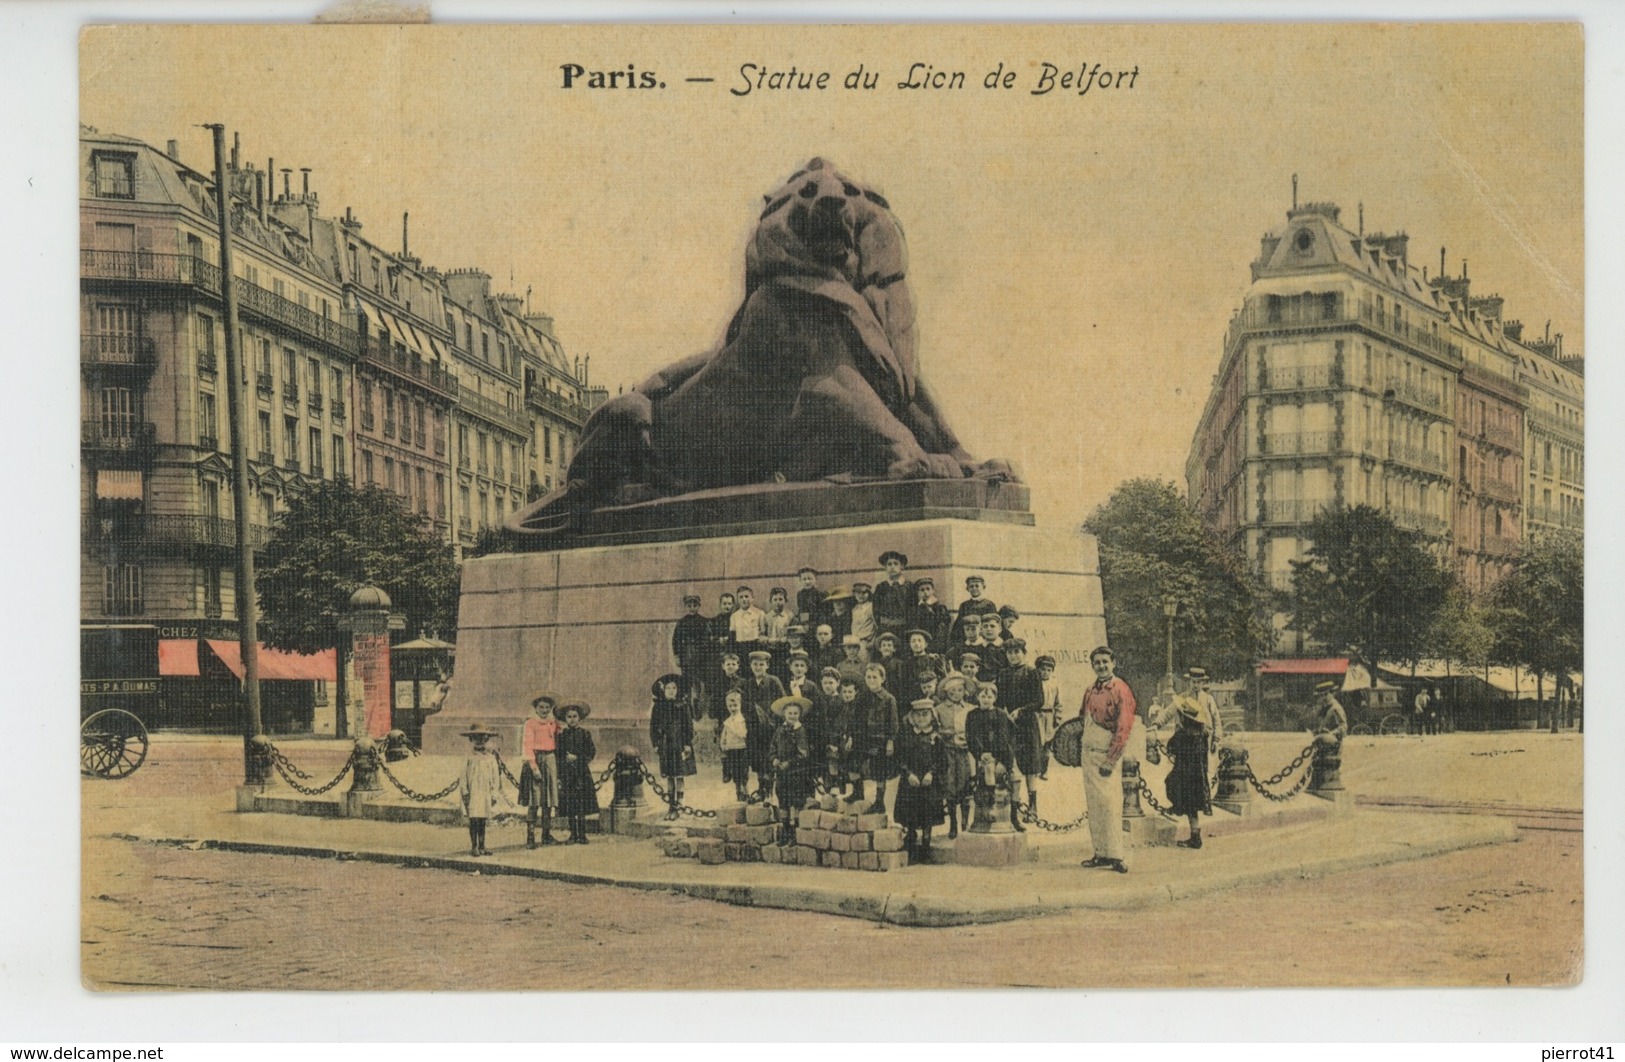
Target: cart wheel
[[1363, 730], [112, 744], [1394, 725]]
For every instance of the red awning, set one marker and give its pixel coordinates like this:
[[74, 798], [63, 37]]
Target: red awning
[[277, 664], [177, 657], [1337, 665]]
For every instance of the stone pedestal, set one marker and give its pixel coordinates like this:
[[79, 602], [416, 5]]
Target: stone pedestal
[[1150, 831], [990, 849], [596, 621]]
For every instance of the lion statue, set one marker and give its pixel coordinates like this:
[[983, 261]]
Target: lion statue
[[816, 377]]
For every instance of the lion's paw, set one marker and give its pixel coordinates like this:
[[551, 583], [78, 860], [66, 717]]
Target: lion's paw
[[996, 470]]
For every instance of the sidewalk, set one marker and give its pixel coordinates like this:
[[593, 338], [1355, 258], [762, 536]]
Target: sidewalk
[[936, 895]]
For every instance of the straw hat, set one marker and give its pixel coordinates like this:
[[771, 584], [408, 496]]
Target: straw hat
[[479, 730], [779, 705], [563, 708]]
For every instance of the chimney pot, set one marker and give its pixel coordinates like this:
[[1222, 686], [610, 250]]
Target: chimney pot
[[304, 172], [173, 150]]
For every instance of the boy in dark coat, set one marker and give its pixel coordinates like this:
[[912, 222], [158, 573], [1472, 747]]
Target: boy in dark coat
[[971, 609], [809, 599], [876, 729], [761, 690], [930, 615], [792, 760], [919, 660], [1021, 693], [691, 650], [728, 679], [671, 733], [893, 596]]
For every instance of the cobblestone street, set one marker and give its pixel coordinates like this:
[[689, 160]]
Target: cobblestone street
[[164, 917]]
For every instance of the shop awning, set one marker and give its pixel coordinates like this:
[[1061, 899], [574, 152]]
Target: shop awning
[[177, 657], [1308, 666], [277, 664], [119, 484]]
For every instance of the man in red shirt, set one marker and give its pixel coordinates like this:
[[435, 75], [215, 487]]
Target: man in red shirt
[[1110, 706]]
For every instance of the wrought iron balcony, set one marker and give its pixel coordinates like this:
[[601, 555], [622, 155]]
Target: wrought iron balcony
[[573, 412], [144, 267], [103, 350], [1291, 511], [367, 422], [1502, 436], [118, 436], [208, 442], [290, 392], [494, 412], [206, 363], [1412, 520], [1501, 490], [266, 457], [263, 383], [1417, 457], [1298, 442], [376, 351], [338, 409], [1412, 395], [176, 529], [1298, 378], [315, 403]]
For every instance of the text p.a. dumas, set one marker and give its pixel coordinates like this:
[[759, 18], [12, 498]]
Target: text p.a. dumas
[[575, 75]]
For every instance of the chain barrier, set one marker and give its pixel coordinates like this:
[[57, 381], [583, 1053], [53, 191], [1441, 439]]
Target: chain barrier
[[413, 794], [288, 771], [1279, 776], [598, 783], [1151, 798], [503, 767], [1030, 817], [665, 797]]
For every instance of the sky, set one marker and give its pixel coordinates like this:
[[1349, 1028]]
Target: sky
[[1075, 258]]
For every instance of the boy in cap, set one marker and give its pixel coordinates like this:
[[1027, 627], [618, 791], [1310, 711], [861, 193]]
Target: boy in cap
[[733, 738], [729, 680], [970, 668], [1201, 692], [480, 787], [1007, 621], [896, 666], [876, 725], [1333, 725], [930, 615], [993, 660], [761, 690], [691, 651], [826, 649], [776, 623], [1021, 693], [894, 597], [957, 769], [920, 661], [721, 635], [853, 661], [809, 599], [988, 730], [972, 608], [539, 774], [863, 615], [1050, 718], [800, 683], [828, 722]]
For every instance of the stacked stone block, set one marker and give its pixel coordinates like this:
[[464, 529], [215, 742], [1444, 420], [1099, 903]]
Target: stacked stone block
[[830, 834]]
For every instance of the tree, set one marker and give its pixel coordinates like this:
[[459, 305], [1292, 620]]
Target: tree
[[1539, 613], [1154, 548], [1463, 630], [1367, 586], [332, 540]]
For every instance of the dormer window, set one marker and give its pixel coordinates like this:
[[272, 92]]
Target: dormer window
[[1303, 241], [115, 176]]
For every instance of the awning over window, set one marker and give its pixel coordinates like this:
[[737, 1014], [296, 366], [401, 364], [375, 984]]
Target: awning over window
[[277, 664], [1309, 666], [177, 657], [119, 484]]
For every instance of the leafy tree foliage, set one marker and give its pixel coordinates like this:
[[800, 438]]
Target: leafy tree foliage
[[334, 539], [1154, 547], [1463, 631], [1368, 587]]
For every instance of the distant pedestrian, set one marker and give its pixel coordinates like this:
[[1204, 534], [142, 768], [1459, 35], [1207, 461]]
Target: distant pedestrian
[[1050, 716], [1419, 711], [671, 733], [1110, 707], [481, 787], [1333, 723], [578, 797]]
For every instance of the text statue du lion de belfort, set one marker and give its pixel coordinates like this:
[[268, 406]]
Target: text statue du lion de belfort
[[817, 377]]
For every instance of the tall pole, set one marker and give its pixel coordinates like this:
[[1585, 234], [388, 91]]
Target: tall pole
[[1169, 608], [248, 638]]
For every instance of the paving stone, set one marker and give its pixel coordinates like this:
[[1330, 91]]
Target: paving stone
[[762, 834], [829, 859], [876, 821], [738, 833], [728, 813], [868, 860], [890, 860], [759, 814], [851, 860], [710, 851], [888, 840], [840, 842]]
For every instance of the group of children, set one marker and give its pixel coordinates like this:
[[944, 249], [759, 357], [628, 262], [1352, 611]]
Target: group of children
[[556, 775], [892, 686]]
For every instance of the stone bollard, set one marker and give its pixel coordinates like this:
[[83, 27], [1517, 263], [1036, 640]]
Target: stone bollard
[[629, 802], [1131, 789], [1233, 793], [256, 772], [990, 840], [1325, 769], [364, 784], [396, 747]]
